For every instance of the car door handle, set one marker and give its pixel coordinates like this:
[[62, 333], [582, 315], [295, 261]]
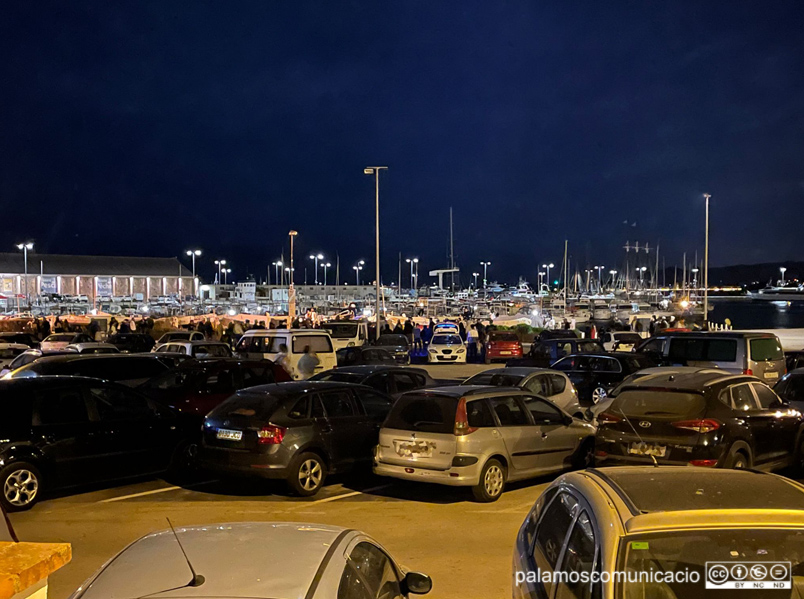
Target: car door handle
[[494, 433], [544, 435]]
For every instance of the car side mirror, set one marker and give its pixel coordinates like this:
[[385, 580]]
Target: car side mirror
[[418, 583]]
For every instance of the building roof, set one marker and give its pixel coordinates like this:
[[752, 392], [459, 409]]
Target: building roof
[[120, 266]]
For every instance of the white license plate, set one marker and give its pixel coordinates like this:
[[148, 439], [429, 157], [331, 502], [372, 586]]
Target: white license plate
[[414, 449], [505, 353], [772, 375], [228, 435], [658, 451]]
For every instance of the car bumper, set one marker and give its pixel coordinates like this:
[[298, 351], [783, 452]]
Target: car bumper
[[452, 359], [247, 465], [454, 477], [677, 455]]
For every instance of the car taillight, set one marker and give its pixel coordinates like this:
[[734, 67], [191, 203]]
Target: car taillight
[[704, 463], [270, 435], [701, 425], [748, 371], [462, 420], [608, 418]]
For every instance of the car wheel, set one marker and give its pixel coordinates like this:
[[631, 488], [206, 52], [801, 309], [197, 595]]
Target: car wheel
[[738, 461], [22, 485], [184, 457], [585, 456], [492, 482], [599, 394], [307, 474]]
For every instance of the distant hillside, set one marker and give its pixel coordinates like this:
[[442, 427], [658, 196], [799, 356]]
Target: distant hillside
[[751, 275]]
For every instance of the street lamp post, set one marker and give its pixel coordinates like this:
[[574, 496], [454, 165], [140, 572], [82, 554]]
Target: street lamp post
[[357, 268], [548, 267], [316, 257], [413, 264], [193, 254], [25, 247], [219, 264], [588, 272], [599, 277], [375, 170], [541, 280], [225, 272], [782, 270], [325, 266], [277, 269], [485, 266], [475, 275], [695, 278], [642, 274], [613, 273], [706, 266], [291, 289]]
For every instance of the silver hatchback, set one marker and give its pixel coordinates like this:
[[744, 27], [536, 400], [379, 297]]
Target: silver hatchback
[[479, 437]]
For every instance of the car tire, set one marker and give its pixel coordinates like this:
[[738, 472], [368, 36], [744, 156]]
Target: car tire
[[738, 461], [599, 393], [21, 483], [307, 474], [492, 482], [584, 457], [183, 460]]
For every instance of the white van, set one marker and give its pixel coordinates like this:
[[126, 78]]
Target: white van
[[346, 333], [263, 344]]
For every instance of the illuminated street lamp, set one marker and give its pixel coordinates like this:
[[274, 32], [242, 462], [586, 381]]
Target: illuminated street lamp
[[706, 266], [193, 254], [782, 270], [599, 278], [695, 278], [316, 257], [325, 266], [642, 273], [28, 245], [541, 279], [413, 264], [613, 273], [375, 170], [219, 264], [291, 289], [357, 268], [475, 275], [485, 266], [225, 272], [277, 269], [548, 267]]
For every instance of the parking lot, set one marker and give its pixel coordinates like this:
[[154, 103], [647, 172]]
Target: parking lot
[[465, 546]]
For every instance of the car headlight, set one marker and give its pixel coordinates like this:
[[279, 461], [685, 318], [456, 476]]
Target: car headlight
[[460, 351], [350, 344], [432, 351]]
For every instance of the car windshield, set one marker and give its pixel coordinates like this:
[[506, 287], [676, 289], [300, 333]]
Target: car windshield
[[392, 340], [709, 555], [497, 379], [341, 330], [657, 402], [446, 340]]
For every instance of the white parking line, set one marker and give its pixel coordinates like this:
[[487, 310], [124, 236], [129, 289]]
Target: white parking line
[[345, 495], [152, 492]]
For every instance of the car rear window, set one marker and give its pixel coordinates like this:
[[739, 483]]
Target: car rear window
[[339, 377], [423, 413], [245, 407], [212, 350], [767, 348], [392, 340], [497, 379], [701, 349], [503, 336], [317, 343], [657, 402]]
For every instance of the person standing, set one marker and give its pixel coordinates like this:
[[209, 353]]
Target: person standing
[[471, 343], [282, 357], [308, 363]]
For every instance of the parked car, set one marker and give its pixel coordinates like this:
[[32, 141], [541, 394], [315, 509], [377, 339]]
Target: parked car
[[446, 348], [28, 356], [195, 349], [9, 351], [794, 359], [256, 559], [15, 337], [346, 333], [300, 432], [264, 344], [181, 336], [198, 386], [614, 520], [551, 384], [446, 328], [758, 354], [92, 348], [391, 380], [395, 344], [544, 352], [595, 375], [479, 437], [62, 340], [702, 419], [502, 345], [131, 343], [354, 356], [791, 388], [66, 431], [620, 340], [128, 369]]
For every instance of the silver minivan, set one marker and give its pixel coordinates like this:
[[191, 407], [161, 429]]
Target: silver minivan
[[758, 354], [480, 437]]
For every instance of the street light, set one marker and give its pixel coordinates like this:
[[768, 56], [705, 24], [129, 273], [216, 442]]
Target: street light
[[225, 272], [413, 262], [219, 264], [548, 267], [316, 257], [782, 270], [325, 267], [193, 254], [28, 245], [706, 267], [541, 280], [695, 278], [642, 273], [613, 274], [277, 266], [485, 266], [599, 278], [291, 289], [357, 268], [375, 170], [475, 275]]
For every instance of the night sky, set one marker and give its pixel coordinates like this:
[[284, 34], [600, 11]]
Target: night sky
[[147, 128]]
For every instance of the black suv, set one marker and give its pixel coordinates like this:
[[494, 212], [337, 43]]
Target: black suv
[[299, 431], [596, 374], [701, 419], [391, 380], [67, 431]]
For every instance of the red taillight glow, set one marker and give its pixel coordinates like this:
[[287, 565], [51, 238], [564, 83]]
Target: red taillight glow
[[701, 425], [270, 435], [748, 371], [704, 463], [462, 420], [608, 418], [601, 454]]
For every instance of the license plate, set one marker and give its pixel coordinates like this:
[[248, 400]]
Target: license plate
[[228, 435], [414, 449], [505, 353], [772, 375], [658, 451]]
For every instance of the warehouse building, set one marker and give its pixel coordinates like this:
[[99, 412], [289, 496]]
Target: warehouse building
[[95, 276]]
